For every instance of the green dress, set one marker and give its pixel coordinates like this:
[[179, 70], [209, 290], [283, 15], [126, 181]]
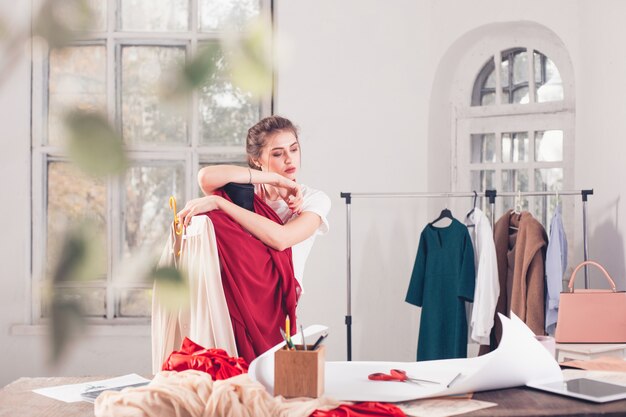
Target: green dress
[[442, 280]]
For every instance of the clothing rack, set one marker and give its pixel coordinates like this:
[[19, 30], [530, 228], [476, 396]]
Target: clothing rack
[[489, 194]]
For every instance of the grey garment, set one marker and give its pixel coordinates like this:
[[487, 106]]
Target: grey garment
[[556, 265]]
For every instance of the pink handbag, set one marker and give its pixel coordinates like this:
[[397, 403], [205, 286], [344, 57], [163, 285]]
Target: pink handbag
[[591, 316]]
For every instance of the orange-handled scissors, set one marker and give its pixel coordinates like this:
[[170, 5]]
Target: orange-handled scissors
[[398, 375]]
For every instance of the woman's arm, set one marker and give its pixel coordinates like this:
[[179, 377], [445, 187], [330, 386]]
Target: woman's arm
[[213, 177], [274, 235]]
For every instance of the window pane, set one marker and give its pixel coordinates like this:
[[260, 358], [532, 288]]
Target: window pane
[[515, 147], [520, 67], [99, 13], [504, 71], [549, 145], [226, 112], [514, 180], [520, 95], [91, 300], [72, 197], [483, 180], [134, 302], [147, 216], [488, 99], [220, 14], [76, 80], [145, 118], [547, 179], [483, 148], [550, 89], [155, 15]]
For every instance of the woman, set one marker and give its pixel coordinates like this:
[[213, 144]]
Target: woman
[[286, 215]]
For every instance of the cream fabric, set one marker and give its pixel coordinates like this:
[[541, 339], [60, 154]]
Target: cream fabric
[[193, 393], [487, 287], [205, 320]]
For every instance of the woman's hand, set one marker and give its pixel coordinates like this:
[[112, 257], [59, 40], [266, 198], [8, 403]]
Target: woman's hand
[[197, 206], [291, 193]]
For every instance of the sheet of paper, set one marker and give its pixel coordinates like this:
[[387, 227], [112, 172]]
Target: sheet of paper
[[442, 407], [71, 393], [519, 359]]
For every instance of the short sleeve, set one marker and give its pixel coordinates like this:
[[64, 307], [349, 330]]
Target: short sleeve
[[317, 202]]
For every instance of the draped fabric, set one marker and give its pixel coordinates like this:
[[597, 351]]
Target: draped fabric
[[258, 282], [215, 362], [366, 409], [205, 318]]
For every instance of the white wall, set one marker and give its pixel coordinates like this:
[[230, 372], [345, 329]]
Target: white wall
[[360, 86]]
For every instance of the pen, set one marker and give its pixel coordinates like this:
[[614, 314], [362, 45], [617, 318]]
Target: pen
[[287, 329], [289, 344], [319, 341], [453, 380], [303, 340]]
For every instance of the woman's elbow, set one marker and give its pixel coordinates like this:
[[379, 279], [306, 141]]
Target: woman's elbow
[[204, 181], [278, 244]]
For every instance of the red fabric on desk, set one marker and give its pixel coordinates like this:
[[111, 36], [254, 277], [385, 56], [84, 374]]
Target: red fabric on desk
[[258, 281], [366, 409], [214, 362]]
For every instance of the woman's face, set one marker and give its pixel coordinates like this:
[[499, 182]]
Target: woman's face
[[282, 154]]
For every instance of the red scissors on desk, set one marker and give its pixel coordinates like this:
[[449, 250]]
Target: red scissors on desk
[[398, 375]]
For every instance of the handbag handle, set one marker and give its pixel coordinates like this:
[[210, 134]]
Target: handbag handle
[[606, 274]]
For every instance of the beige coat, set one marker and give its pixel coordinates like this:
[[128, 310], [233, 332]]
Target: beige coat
[[521, 264]]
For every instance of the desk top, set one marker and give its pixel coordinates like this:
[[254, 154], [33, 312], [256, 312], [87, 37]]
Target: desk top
[[17, 400]]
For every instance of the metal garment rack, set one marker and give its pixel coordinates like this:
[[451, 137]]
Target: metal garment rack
[[489, 194]]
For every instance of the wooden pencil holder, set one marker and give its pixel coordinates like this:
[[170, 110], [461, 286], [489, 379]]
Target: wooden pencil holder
[[299, 373]]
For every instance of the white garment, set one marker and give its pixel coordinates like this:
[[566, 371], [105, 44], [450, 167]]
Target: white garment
[[556, 264], [487, 288], [205, 320], [316, 202]]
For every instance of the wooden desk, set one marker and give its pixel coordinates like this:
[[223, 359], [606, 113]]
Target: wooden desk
[[17, 400]]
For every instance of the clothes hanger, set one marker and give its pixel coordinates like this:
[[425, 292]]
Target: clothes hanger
[[467, 216], [518, 207], [445, 213], [178, 226]]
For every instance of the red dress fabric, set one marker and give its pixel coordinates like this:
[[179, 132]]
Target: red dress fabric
[[214, 362], [366, 409], [258, 281]]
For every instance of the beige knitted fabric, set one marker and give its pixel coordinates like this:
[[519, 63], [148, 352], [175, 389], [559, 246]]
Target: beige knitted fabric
[[193, 393]]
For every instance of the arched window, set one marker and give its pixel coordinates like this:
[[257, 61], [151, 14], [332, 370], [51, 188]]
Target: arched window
[[514, 80], [516, 133]]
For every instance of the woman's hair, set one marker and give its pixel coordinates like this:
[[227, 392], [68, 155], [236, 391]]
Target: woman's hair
[[260, 132]]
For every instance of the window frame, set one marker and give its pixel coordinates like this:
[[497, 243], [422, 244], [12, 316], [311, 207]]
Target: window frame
[[191, 154], [503, 117]]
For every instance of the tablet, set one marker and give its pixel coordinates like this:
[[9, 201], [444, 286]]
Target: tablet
[[584, 388]]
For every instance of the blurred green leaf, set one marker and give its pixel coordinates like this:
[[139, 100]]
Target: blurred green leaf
[[58, 21], [194, 73], [94, 145], [250, 58], [66, 325], [81, 255], [172, 288]]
